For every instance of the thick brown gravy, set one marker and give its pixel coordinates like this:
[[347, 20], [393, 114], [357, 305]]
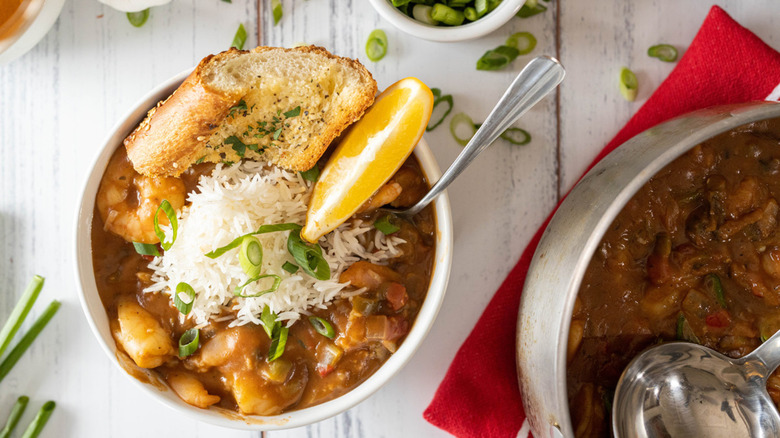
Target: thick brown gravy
[[313, 368], [694, 256]]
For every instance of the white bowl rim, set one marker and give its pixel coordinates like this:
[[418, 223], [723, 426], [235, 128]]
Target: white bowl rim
[[93, 307], [490, 22], [33, 32]]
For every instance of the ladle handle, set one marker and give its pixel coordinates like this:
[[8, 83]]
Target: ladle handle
[[768, 353], [535, 81]]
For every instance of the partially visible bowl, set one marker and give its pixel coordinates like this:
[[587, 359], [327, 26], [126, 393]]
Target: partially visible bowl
[[27, 26], [570, 240], [154, 386], [490, 22]]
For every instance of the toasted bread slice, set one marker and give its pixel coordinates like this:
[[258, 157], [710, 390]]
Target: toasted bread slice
[[284, 106]]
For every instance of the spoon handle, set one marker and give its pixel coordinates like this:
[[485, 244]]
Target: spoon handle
[[768, 353], [535, 81]]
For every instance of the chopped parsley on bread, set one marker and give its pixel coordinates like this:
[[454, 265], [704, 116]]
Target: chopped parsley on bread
[[283, 106]]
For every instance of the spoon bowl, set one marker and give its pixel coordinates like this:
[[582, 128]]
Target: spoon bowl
[[683, 389]]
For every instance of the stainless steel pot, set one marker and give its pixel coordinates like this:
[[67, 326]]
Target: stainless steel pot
[[570, 240]]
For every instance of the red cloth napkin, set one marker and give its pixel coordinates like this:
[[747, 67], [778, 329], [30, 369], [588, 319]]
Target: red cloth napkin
[[725, 63]]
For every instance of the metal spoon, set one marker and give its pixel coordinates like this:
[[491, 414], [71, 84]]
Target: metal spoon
[[535, 81], [687, 390]]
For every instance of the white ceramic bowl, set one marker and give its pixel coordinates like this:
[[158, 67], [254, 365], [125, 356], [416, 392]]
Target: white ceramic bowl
[[98, 321], [37, 17], [490, 22]]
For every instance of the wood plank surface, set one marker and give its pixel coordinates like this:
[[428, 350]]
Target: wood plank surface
[[59, 102]]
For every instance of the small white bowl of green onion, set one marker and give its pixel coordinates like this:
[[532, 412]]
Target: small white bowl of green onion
[[447, 20]]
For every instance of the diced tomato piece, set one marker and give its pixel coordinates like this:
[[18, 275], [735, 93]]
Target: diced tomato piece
[[396, 295], [397, 326], [718, 319]]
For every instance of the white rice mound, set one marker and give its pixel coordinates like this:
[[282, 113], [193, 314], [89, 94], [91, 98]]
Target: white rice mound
[[236, 200]]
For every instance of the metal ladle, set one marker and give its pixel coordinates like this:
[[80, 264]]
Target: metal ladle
[[686, 390], [535, 81]]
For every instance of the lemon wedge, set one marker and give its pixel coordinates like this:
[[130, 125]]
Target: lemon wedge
[[369, 154]]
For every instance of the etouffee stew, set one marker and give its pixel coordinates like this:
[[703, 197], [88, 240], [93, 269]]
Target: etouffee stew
[[694, 256], [231, 367]]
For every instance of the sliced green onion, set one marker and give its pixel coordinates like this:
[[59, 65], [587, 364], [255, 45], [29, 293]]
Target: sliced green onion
[[308, 256], [516, 136], [20, 312], [447, 15], [458, 120], [262, 230], [170, 213], [628, 84], [138, 19], [28, 338], [664, 52], [458, 3], [268, 321], [422, 13], [713, 284], [187, 290], [481, 6], [251, 256], [38, 423], [289, 267], [14, 416], [531, 8], [322, 327], [497, 58], [399, 3], [276, 6], [188, 342], [278, 343], [274, 287], [387, 224], [376, 46], [438, 98], [311, 174], [146, 249], [240, 38], [524, 42], [684, 331], [471, 14]]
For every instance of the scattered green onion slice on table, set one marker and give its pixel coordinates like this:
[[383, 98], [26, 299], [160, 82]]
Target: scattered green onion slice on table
[[250, 256], [308, 256], [458, 120], [261, 230], [447, 15], [422, 13], [276, 6], [531, 8], [322, 327], [138, 19], [146, 249], [240, 38], [628, 84], [273, 288], [497, 58], [14, 416], [376, 46], [278, 342], [290, 267], [386, 224], [312, 174], [170, 213], [188, 342], [713, 284], [186, 289], [437, 99], [20, 312], [516, 136], [524, 42], [35, 428], [664, 52], [16, 353]]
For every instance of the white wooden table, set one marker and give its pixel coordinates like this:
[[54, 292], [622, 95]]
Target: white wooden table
[[58, 102]]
